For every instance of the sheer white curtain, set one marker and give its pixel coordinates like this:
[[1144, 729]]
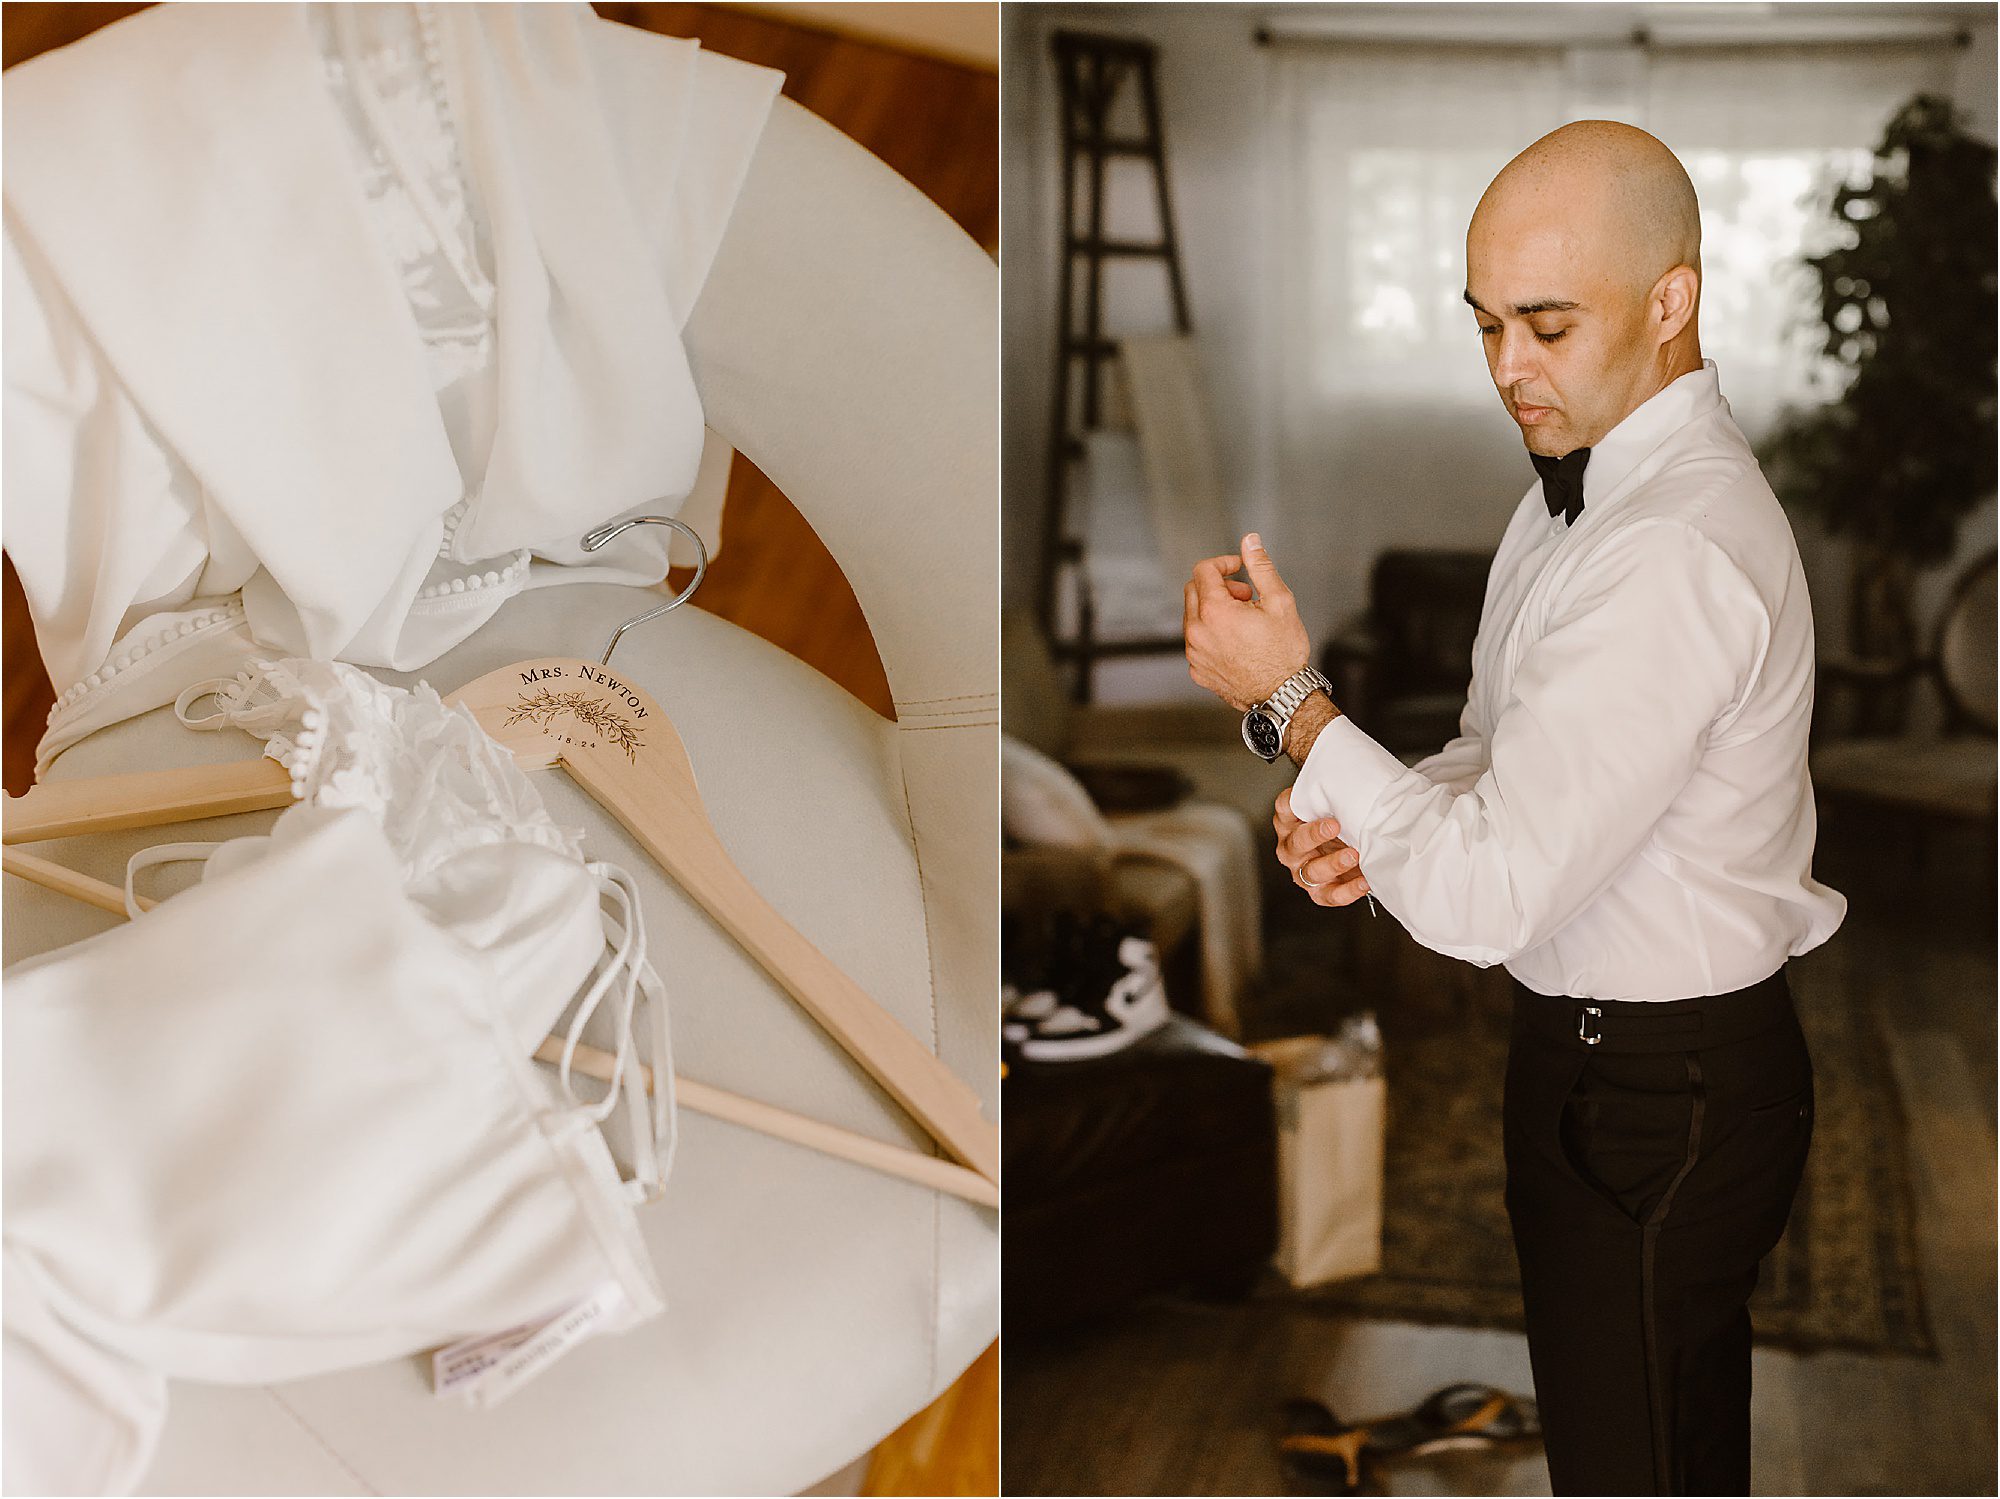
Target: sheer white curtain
[[1389, 429], [1765, 134]]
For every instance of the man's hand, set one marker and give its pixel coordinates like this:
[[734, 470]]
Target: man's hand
[[1327, 869], [1242, 645]]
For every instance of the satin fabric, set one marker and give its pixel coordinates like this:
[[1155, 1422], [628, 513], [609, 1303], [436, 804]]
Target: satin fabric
[[219, 423], [80, 1418], [844, 341], [244, 1147]]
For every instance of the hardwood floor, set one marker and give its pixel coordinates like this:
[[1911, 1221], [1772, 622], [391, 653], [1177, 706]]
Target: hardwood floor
[[1177, 1397], [938, 125], [26, 695], [952, 1446]]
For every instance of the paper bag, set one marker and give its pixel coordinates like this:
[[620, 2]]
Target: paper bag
[[1330, 1132]]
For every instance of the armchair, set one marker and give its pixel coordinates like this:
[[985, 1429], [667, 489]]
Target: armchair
[[1403, 665], [1201, 862], [1947, 774]]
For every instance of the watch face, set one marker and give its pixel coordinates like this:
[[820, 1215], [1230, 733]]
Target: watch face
[[1260, 732]]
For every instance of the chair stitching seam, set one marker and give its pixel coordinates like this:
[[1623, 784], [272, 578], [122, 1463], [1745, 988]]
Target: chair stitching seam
[[930, 960], [310, 1430]]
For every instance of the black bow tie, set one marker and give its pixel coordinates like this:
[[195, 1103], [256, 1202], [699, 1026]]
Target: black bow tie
[[1562, 482]]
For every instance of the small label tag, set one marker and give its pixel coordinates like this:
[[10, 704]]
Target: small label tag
[[486, 1369], [453, 1367]]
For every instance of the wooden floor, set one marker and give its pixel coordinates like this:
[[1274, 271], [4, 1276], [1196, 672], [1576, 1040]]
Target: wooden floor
[[1176, 1397], [938, 125]]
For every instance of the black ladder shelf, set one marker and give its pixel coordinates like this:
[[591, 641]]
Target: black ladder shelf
[[1092, 70]]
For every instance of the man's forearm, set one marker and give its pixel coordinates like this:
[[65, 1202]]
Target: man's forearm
[[1314, 714]]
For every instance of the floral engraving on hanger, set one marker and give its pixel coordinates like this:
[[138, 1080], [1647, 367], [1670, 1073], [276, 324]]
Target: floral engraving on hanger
[[594, 713]]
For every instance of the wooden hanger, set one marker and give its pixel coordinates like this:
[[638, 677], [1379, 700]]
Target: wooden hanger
[[591, 1061], [618, 744]]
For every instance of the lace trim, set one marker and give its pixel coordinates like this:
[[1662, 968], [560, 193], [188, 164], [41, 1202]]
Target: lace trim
[[384, 68], [438, 782], [452, 519], [438, 785], [134, 652], [501, 577], [433, 50]]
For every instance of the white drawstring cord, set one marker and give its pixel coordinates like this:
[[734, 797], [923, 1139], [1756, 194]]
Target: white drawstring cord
[[622, 1066], [227, 691], [665, 1115], [628, 937], [642, 1185], [654, 1124], [654, 1135], [160, 853], [235, 702]]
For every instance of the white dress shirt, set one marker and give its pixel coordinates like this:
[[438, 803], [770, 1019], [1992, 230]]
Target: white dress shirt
[[1626, 812]]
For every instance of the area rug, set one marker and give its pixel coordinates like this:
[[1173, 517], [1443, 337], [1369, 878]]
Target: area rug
[[1844, 1276]]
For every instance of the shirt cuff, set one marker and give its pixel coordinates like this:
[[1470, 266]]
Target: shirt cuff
[[1344, 777]]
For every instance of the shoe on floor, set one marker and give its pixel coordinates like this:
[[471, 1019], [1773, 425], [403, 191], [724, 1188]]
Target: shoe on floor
[[1099, 1017]]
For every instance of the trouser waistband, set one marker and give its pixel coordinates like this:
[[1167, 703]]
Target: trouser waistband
[[1624, 1025]]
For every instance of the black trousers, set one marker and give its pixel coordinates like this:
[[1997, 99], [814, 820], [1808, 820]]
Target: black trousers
[[1649, 1171]]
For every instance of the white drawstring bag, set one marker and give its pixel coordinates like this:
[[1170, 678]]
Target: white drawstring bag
[[287, 1122]]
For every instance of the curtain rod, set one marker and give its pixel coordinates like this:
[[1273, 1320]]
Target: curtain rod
[[1670, 37]]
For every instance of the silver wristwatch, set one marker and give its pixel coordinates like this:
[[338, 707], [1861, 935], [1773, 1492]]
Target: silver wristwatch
[[1265, 724]]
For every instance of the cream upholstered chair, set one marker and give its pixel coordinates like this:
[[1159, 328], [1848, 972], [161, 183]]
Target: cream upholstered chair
[[1945, 775], [846, 343]]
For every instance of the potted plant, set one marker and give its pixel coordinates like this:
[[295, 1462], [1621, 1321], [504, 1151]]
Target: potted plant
[[1907, 307]]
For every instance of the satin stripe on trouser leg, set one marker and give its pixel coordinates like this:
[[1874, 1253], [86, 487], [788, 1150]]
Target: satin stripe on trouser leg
[[1648, 1174]]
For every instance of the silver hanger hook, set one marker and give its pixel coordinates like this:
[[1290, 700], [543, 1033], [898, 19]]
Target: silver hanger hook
[[595, 539]]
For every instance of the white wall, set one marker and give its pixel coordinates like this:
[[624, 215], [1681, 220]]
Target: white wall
[[1412, 484]]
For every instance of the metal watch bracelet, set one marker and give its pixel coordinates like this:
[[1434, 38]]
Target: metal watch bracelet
[[1293, 691]]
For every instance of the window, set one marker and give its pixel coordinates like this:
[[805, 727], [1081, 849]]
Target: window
[[1389, 430]]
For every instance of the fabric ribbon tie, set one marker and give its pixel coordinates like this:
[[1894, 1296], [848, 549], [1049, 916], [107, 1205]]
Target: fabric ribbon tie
[[1562, 482]]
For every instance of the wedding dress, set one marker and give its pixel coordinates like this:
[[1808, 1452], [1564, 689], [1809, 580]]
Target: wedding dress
[[482, 240], [215, 1251], [258, 402]]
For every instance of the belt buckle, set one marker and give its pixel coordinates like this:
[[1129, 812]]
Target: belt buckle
[[1583, 1031]]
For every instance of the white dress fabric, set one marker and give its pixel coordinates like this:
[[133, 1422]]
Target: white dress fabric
[[504, 215], [813, 1304], [1626, 813], [202, 304], [180, 501], [286, 1122]]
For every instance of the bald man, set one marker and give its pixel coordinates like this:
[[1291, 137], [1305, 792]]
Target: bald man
[[1624, 819]]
